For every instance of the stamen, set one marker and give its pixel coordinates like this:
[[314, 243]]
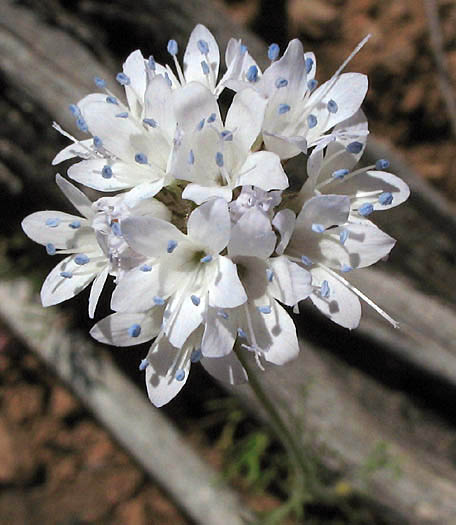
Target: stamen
[[345, 268], [205, 68], [82, 124], [339, 174], [81, 259], [243, 49], [269, 275], [151, 63], [252, 74], [195, 300], [283, 108], [143, 365], [382, 164], [115, 228], [145, 268], [191, 157], [158, 301], [332, 106], [306, 261], [124, 114], [309, 64], [123, 79], [141, 158], [312, 84], [241, 333], [97, 142], [75, 225], [52, 222], [112, 100], [206, 259], [318, 228], [226, 135], [168, 80], [180, 375], [106, 172], [203, 46], [281, 82], [264, 309], [171, 246], [312, 121], [273, 52], [196, 355], [324, 289], [100, 82], [172, 47], [211, 118], [200, 125], [386, 198], [134, 330], [366, 209], [354, 147], [66, 275], [343, 236], [75, 111], [223, 314], [50, 249], [219, 159], [150, 122]]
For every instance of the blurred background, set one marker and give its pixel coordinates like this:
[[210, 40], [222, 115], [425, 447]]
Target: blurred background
[[58, 464]]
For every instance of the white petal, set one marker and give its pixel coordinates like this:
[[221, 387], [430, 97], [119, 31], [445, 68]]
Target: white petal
[[327, 210], [227, 290], [114, 329], [143, 191], [219, 333], [284, 221], [161, 383], [252, 236], [290, 282], [342, 306], [56, 288], [75, 196], [62, 236], [78, 149], [135, 69], [150, 236], [193, 56], [182, 317], [158, 106], [200, 194], [209, 226], [192, 103], [245, 117], [97, 288], [227, 369], [264, 170], [238, 61]]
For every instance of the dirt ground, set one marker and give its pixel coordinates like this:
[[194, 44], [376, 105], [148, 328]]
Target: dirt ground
[[57, 465]]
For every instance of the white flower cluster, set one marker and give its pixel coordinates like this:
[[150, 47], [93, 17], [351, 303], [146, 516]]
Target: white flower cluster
[[203, 241]]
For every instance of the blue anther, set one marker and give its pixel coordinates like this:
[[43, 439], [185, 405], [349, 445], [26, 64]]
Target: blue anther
[[52, 222], [241, 333], [172, 47], [312, 121], [200, 125], [226, 135], [309, 64], [312, 84], [243, 49], [158, 301], [151, 63], [382, 164], [75, 225], [343, 236], [206, 259], [269, 274], [82, 124], [354, 147], [386, 198], [150, 122], [75, 111], [339, 174], [324, 289], [115, 228], [306, 260], [281, 82], [141, 158], [366, 209], [168, 80], [180, 375], [195, 300], [146, 268], [112, 100], [219, 159], [66, 275], [106, 172], [211, 118], [191, 157], [143, 365], [203, 47], [252, 73], [81, 259], [196, 355], [273, 51], [123, 79], [50, 248], [97, 142], [283, 108], [205, 68], [134, 330], [223, 314], [332, 106], [100, 82], [124, 114], [264, 309], [171, 246], [318, 228], [345, 268]]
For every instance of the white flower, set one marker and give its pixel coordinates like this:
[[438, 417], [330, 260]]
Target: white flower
[[215, 157]]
